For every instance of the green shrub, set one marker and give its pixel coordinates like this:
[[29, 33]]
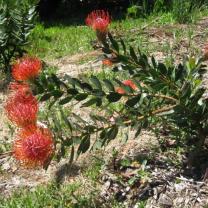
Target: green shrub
[[16, 22], [165, 97], [183, 10]]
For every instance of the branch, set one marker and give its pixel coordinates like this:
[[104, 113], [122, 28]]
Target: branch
[[157, 96], [128, 122], [155, 112]]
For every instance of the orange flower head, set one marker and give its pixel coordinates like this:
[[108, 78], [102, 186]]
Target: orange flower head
[[98, 20], [107, 62], [130, 84], [16, 86], [22, 108], [120, 90], [34, 146], [26, 68]]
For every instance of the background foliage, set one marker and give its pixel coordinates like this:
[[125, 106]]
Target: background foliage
[[16, 22]]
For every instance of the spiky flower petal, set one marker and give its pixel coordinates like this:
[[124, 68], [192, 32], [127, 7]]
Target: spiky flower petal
[[107, 62], [98, 20], [120, 90], [16, 86], [128, 83], [34, 146], [21, 108], [26, 68]]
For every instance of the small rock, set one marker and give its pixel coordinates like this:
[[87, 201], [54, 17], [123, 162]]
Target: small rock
[[107, 185], [128, 189]]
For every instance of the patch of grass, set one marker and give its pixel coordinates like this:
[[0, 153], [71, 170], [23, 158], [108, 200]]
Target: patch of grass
[[68, 195], [49, 196], [57, 41], [73, 195], [93, 171], [5, 144], [141, 23], [4, 147]]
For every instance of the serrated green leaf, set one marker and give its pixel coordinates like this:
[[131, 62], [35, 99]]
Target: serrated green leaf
[[114, 97], [72, 91], [86, 86], [186, 90], [45, 97], [96, 82], [138, 130], [99, 118], [109, 85], [66, 120], [154, 62], [85, 145], [57, 93], [112, 133], [162, 68], [179, 72], [123, 45], [90, 128], [65, 100], [133, 101], [81, 96], [51, 104], [90, 102], [145, 123], [115, 45], [98, 93], [103, 134], [133, 54], [56, 80]]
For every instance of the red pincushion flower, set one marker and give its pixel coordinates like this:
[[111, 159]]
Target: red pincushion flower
[[16, 86], [26, 68], [120, 90], [98, 20], [21, 108], [130, 84], [127, 83], [34, 146], [107, 62]]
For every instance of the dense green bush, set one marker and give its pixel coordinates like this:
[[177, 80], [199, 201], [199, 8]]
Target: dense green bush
[[163, 97], [16, 22], [183, 10], [169, 98]]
